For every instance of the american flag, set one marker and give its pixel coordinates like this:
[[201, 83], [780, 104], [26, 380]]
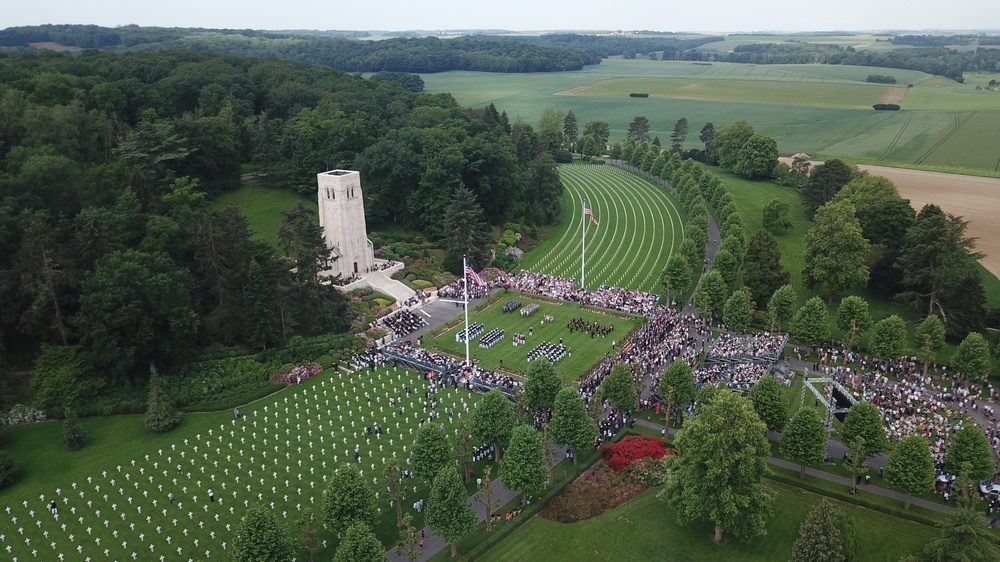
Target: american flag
[[475, 276], [588, 212]]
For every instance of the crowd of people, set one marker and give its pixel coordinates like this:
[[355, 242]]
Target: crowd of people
[[764, 346], [562, 288], [511, 306], [736, 375], [403, 323], [492, 338], [551, 351], [470, 333], [418, 297]]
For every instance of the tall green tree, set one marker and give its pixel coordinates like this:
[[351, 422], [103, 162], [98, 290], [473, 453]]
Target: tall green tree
[[262, 326], [938, 262], [738, 311], [718, 474], [757, 157], [48, 282], [853, 317], [884, 215], [600, 131], [523, 465], [911, 467], [930, 338], [835, 252], [811, 324], [550, 130], [360, 544], [677, 388], [970, 445], [804, 439], [963, 538], [676, 277], [727, 265], [64, 377], [770, 403], [972, 360], [542, 385], [466, 232], [160, 413], [679, 134], [638, 129], [762, 269], [864, 420], [888, 338], [135, 307], [819, 538], [715, 288], [706, 137], [348, 500], [619, 388], [781, 306], [223, 253], [431, 452], [775, 214], [449, 512], [571, 132], [729, 141], [493, 421], [570, 425], [825, 181], [260, 537], [74, 436]]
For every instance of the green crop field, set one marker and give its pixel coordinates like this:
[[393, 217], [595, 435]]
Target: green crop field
[[640, 226], [112, 495], [823, 110], [646, 529], [585, 350]]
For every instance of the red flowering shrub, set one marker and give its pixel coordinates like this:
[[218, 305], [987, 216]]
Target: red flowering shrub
[[620, 455]]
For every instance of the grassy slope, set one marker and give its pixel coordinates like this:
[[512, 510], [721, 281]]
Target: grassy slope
[[646, 529], [586, 350], [262, 206]]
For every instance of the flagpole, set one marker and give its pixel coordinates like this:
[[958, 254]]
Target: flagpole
[[465, 283], [583, 250]]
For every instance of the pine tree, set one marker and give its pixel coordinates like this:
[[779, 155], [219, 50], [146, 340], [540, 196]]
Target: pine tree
[[466, 231], [763, 273], [74, 436], [571, 132], [680, 133], [160, 413], [819, 538]]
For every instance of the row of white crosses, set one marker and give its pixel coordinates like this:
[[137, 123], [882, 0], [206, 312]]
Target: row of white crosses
[[131, 501]]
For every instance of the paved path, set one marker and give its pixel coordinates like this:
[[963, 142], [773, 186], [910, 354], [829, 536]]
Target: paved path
[[877, 462], [434, 544]]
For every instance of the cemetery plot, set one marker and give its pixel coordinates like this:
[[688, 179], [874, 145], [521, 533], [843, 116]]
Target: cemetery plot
[[640, 227], [511, 336], [182, 500]]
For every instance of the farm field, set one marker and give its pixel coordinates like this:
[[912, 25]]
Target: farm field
[[640, 226], [585, 350], [823, 110], [644, 528], [112, 495]]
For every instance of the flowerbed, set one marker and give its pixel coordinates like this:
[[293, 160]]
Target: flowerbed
[[620, 455], [296, 374]]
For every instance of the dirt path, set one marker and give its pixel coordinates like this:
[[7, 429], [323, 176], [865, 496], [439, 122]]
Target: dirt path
[[974, 198]]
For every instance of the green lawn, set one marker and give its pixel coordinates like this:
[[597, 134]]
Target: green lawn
[[646, 529], [586, 351], [115, 490], [263, 207]]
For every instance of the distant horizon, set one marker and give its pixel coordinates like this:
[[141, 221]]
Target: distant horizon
[[525, 16]]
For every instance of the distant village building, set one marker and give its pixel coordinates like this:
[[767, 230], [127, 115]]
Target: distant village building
[[342, 218]]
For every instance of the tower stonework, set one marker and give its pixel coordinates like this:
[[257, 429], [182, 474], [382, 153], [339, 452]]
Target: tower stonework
[[342, 218]]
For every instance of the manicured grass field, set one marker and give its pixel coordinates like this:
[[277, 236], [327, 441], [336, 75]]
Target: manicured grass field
[[640, 226], [586, 351], [646, 529], [263, 206], [112, 495]]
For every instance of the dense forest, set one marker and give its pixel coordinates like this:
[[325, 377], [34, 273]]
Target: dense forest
[[108, 163]]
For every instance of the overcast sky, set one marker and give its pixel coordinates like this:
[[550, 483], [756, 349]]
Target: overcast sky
[[518, 15]]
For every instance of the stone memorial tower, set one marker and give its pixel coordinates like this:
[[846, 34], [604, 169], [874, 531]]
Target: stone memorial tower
[[342, 218]]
